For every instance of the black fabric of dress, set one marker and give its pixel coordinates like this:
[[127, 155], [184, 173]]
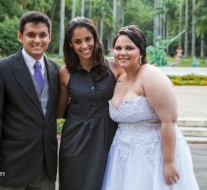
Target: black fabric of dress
[[88, 131]]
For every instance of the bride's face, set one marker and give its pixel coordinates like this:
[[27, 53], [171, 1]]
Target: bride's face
[[126, 53]]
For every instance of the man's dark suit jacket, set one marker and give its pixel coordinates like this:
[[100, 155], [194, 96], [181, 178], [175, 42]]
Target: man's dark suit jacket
[[26, 135]]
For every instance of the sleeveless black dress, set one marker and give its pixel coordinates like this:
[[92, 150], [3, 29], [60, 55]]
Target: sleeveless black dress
[[88, 131]]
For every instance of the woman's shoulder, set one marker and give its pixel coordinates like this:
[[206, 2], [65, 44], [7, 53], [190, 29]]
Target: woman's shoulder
[[63, 70], [64, 74], [111, 62], [151, 70], [153, 76], [115, 68]]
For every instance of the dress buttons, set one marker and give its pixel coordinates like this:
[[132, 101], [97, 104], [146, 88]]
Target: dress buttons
[[94, 102]]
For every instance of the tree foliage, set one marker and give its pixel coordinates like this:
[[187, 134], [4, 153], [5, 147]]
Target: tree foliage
[[11, 11], [9, 8], [139, 12], [9, 43], [201, 16]]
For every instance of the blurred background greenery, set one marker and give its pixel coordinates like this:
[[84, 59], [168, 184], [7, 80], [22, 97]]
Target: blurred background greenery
[[165, 18]]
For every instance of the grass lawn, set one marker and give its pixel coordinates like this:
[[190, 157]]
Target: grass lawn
[[60, 62], [186, 62]]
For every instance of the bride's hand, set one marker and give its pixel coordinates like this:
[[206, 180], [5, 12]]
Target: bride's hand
[[171, 173]]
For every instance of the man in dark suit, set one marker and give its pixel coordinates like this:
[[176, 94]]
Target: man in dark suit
[[29, 90]]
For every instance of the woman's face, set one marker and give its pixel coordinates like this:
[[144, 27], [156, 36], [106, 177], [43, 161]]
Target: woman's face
[[82, 42], [126, 53]]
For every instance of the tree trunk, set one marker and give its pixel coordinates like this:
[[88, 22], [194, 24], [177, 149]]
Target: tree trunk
[[180, 23], [186, 28], [164, 27], [114, 9], [101, 30], [73, 9], [53, 9], [109, 44], [122, 16], [167, 35], [155, 24], [90, 6], [62, 16], [82, 7], [114, 17], [160, 25], [193, 53], [118, 15], [161, 19], [202, 45]]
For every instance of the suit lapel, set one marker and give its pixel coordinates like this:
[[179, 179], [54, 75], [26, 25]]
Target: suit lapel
[[23, 76], [53, 85]]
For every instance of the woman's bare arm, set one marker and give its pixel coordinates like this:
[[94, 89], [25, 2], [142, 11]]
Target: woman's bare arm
[[64, 92], [161, 96]]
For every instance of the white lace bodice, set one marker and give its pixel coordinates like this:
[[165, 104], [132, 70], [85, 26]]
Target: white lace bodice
[[135, 110], [139, 126]]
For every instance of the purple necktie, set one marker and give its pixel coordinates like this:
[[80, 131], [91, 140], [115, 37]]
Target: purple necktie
[[38, 75]]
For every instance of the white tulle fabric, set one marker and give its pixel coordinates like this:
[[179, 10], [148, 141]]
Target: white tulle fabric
[[135, 160]]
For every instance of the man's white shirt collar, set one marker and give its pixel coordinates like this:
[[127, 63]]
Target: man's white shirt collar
[[30, 61]]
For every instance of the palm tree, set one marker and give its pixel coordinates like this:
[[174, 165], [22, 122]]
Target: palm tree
[[186, 28], [180, 22], [82, 7], [89, 12], [120, 13], [114, 16], [73, 9], [202, 45], [102, 16], [167, 10], [193, 30], [200, 20], [155, 23], [62, 16]]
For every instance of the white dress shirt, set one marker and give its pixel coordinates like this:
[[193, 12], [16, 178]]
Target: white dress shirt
[[31, 61]]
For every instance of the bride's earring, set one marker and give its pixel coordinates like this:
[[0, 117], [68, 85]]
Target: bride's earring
[[140, 60]]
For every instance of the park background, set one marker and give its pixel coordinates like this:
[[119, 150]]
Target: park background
[[165, 18]]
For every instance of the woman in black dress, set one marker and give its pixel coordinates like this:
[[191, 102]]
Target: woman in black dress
[[87, 82]]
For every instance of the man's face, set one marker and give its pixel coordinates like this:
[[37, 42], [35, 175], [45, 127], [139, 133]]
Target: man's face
[[35, 39]]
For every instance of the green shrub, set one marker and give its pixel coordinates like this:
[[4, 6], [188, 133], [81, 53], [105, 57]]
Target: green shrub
[[60, 123], [190, 79]]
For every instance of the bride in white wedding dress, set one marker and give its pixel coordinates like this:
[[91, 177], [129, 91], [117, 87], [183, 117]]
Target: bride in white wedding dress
[[149, 151]]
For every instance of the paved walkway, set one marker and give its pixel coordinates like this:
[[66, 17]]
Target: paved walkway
[[192, 101], [199, 156], [184, 70]]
